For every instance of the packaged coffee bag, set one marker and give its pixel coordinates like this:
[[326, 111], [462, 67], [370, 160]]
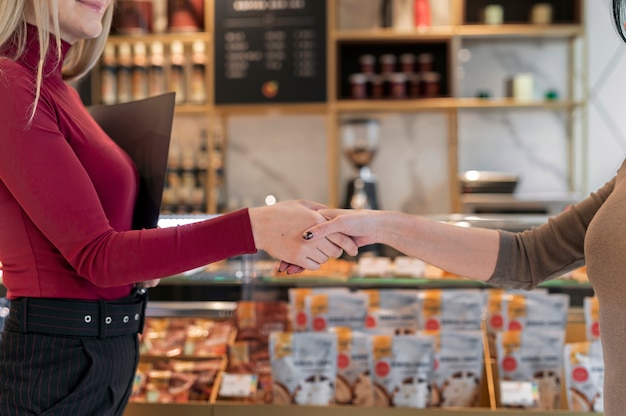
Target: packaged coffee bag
[[402, 368], [304, 367], [354, 383], [534, 356], [458, 373], [584, 376]]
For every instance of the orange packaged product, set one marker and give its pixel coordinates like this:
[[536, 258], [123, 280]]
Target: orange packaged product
[[207, 338], [166, 386], [164, 337], [256, 320], [251, 357]]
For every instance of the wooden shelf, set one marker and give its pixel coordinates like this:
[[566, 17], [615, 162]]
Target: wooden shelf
[[427, 104], [520, 30], [186, 37], [444, 33], [200, 109], [436, 104], [385, 35], [167, 409], [236, 409], [272, 109], [510, 103]]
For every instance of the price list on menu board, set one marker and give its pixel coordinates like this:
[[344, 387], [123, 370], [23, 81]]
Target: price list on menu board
[[270, 51]]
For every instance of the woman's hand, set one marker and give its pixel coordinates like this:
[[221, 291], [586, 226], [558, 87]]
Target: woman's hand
[[359, 224], [278, 229]]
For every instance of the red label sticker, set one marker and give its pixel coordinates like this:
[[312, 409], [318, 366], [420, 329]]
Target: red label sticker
[[432, 325], [343, 361], [509, 363], [382, 369], [595, 329], [496, 321], [515, 326], [580, 374], [319, 324], [301, 319]]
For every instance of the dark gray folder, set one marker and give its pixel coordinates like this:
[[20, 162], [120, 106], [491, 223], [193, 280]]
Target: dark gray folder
[[143, 129]]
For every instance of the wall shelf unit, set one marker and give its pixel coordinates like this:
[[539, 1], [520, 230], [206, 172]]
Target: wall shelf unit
[[342, 45]]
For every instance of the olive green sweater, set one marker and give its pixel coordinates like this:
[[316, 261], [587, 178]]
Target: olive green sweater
[[591, 232]]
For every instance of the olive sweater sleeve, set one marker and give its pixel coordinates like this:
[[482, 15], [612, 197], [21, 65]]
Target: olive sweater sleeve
[[528, 258]]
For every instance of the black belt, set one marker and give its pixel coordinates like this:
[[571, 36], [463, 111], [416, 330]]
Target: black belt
[[68, 317]]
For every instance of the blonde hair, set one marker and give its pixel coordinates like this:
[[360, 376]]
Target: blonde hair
[[80, 59]]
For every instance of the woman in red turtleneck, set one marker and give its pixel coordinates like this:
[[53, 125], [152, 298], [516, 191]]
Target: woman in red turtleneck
[[70, 260]]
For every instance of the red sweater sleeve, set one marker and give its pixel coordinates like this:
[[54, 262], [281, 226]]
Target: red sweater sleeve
[[66, 197]]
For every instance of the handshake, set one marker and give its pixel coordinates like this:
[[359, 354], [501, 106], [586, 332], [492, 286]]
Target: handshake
[[305, 234]]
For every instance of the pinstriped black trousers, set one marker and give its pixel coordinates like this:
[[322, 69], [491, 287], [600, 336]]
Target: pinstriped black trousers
[[57, 375]]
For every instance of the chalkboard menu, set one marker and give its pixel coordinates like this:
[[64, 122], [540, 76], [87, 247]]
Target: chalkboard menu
[[270, 51]]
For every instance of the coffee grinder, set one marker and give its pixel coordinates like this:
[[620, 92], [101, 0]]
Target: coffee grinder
[[359, 139]]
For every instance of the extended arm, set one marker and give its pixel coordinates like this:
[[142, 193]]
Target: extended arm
[[470, 252]]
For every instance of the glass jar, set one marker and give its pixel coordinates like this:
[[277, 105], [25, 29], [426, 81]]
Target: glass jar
[[368, 64], [397, 85], [133, 17], [358, 86], [185, 15], [376, 83], [407, 63], [431, 84], [414, 86], [425, 62], [388, 64]]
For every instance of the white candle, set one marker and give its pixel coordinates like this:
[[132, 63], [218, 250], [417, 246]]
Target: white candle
[[494, 14]]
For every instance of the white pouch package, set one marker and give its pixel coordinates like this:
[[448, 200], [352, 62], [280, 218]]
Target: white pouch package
[[304, 367]]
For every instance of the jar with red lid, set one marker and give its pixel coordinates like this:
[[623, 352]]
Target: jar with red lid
[[185, 15]]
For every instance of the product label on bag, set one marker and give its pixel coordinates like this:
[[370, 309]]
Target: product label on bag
[[336, 309], [454, 309], [393, 310]]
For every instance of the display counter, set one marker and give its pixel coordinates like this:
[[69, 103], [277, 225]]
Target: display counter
[[224, 310]]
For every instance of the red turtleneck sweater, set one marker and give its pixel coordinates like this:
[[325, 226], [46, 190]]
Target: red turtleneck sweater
[[66, 199]]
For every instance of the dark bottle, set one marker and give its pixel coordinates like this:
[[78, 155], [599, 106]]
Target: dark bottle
[[157, 83], [140, 71], [386, 13], [124, 73]]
